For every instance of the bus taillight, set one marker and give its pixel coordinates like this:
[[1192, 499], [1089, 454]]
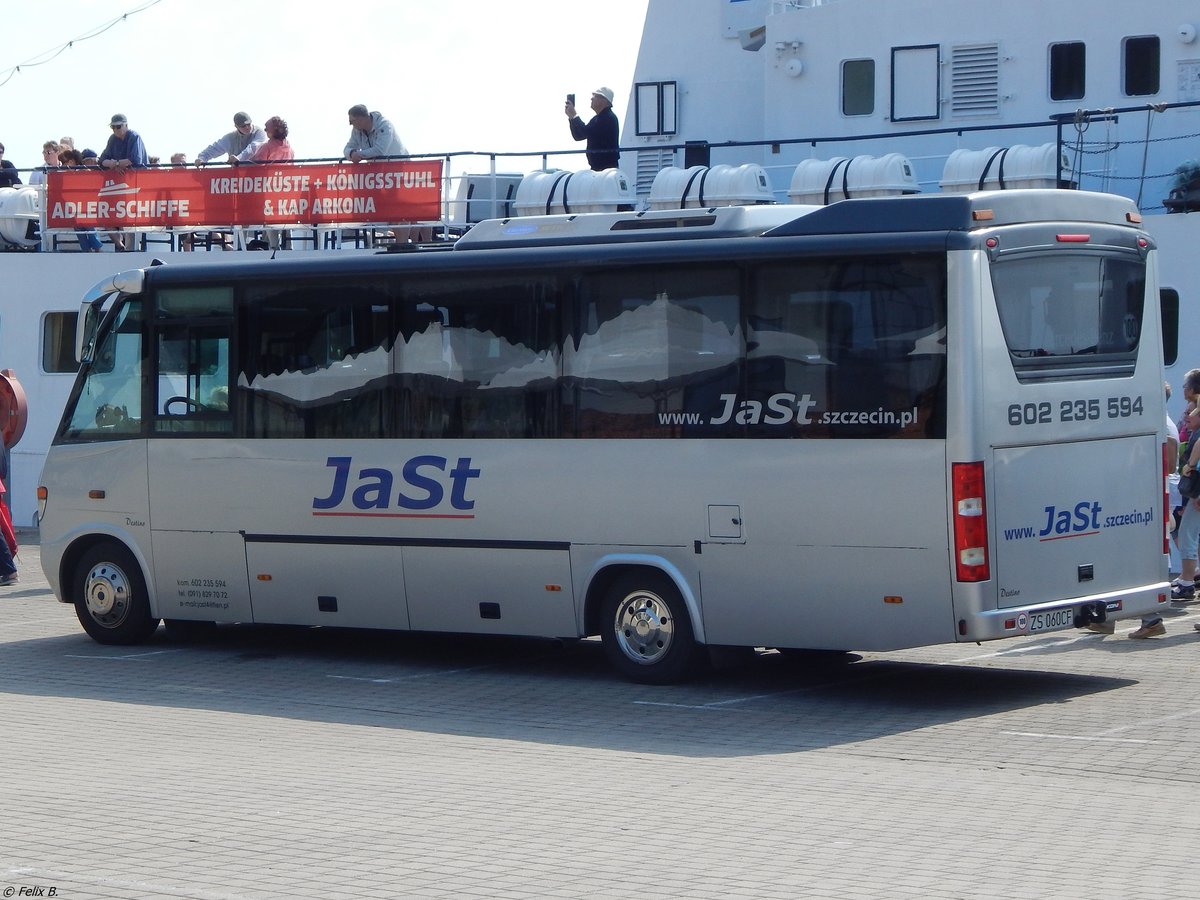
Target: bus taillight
[[1167, 470], [970, 522]]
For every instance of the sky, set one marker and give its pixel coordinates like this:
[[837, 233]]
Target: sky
[[452, 75]]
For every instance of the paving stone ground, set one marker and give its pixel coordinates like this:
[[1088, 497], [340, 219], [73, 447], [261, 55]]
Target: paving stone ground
[[299, 763]]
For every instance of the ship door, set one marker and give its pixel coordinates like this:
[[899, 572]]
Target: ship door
[[916, 83]]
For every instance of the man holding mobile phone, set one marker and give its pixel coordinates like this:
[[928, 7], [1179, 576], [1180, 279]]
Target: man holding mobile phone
[[602, 132]]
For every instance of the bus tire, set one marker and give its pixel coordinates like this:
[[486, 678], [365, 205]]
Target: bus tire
[[647, 635], [110, 596]]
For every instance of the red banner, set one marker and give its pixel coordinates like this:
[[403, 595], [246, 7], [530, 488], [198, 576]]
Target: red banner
[[264, 194]]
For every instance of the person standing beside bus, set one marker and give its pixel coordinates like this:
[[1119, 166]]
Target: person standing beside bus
[[602, 132], [1152, 624], [8, 540], [1187, 536]]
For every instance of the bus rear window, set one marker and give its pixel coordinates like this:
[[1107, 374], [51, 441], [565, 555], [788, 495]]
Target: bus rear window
[[1070, 317]]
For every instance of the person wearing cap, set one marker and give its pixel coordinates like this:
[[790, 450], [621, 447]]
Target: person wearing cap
[[602, 133], [86, 154], [244, 133], [371, 136], [124, 151]]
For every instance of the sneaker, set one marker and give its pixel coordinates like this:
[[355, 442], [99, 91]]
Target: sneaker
[[1102, 627], [1154, 629], [10, 578], [1183, 592]]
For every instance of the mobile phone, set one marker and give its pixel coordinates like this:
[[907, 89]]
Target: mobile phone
[[571, 99]]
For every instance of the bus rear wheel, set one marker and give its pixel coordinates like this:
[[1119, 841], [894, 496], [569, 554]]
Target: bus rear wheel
[[110, 596], [647, 635]]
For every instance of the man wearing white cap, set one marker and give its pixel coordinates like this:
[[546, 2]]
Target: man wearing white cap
[[602, 133]]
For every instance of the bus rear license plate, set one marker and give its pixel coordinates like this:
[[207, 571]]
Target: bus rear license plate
[[1051, 620]]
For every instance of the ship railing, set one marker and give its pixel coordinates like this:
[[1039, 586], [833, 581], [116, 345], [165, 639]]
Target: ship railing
[[475, 185], [1127, 150]]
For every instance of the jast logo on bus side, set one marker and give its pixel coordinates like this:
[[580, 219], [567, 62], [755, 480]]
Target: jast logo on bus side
[[422, 481], [781, 409], [1084, 517]]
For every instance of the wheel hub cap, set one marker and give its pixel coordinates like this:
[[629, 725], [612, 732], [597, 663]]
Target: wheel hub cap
[[644, 627], [107, 594]]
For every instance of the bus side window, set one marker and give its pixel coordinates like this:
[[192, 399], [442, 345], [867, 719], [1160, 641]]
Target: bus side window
[[193, 380], [657, 353]]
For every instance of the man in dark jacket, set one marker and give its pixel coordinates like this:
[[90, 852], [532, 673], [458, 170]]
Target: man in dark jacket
[[602, 133], [9, 177]]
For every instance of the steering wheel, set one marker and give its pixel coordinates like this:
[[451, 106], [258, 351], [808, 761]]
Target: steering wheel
[[188, 403], [110, 416]]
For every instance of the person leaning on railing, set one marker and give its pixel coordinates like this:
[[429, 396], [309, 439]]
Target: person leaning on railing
[[275, 149], [123, 152], [244, 133], [371, 136]]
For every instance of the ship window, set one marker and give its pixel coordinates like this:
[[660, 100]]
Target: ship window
[[1067, 70], [1141, 66], [655, 108], [858, 87], [58, 342]]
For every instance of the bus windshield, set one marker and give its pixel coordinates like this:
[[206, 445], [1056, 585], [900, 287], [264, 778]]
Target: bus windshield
[[108, 402]]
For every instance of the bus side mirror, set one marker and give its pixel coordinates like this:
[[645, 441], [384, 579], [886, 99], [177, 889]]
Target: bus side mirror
[[91, 311], [85, 329]]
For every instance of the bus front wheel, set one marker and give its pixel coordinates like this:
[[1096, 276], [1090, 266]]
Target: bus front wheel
[[647, 634], [110, 596]]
